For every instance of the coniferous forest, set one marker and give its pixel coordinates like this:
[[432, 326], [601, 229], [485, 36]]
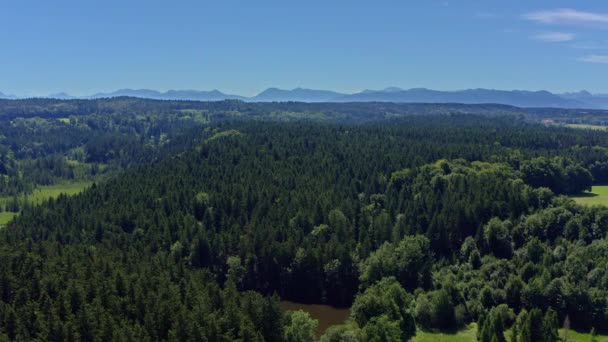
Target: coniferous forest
[[201, 217]]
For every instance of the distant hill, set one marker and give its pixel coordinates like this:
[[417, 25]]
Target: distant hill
[[593, 100], [297, 94], [196, 95], [519, 98], [61, 96], [470, 96], [6, 96]]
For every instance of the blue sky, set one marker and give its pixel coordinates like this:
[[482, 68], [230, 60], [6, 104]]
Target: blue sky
[[84, 47]]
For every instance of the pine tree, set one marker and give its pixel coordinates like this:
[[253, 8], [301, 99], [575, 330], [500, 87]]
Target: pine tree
[[514, 333], [10, 322], [550, 326], [486, 330]]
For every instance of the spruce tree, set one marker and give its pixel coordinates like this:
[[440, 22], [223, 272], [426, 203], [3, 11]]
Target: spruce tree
[[550, 326]]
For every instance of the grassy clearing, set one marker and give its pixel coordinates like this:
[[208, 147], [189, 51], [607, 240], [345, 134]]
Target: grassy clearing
[[465, 335], [574, 336], [469, 334], [43, 193], [223, 134], [597, 196], [64, 120], [6, 217], [586, 126]]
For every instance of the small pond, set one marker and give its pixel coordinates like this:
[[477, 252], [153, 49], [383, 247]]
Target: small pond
[[325, 314]]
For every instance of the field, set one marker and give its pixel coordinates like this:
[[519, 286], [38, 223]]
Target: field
[[43, 193], [586, 126], [464, 335], [597, 196], [574, 336], [470, 334], [52, 191], [5, 217]]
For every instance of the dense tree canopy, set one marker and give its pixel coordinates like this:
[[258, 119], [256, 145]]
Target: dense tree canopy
[[201, 224]]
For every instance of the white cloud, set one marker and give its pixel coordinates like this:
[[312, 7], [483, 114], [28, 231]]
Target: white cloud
[[567, 15], [595, 59], [590, 45], [554, 37]]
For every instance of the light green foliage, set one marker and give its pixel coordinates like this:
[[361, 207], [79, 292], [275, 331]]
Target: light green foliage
[[44, 192], [409, 261], [342, 333], [381, 329], [468, 334], [385, 298], [300, 327], [6, 217], [587, 126], [498, 238], [236, 270], [578, 336], [41, 194], [224, 134]]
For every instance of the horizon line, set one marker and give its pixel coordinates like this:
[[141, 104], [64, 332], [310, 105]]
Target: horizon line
[[230, 93]]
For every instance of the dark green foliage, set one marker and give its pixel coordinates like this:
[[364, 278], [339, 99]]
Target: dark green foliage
[[382, 329], [498, 238], [561, 175], [494, 324], [550, 326], [437, 217], [532, 327], [409, 261], [443, 314]]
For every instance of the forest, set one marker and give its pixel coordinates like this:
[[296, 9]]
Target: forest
[[200, 218]]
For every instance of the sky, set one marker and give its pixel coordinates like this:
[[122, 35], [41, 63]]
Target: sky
[[84, 47]]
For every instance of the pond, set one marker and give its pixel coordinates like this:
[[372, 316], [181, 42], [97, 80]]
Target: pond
[[325, 314]]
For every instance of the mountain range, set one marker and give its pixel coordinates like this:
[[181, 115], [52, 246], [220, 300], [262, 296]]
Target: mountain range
[[6, 96], [520, 98]]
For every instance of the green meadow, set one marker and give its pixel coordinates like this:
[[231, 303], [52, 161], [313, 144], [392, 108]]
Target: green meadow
[[43, 193], [6, 217], [597, 196], [586, 126], [574, 336], [469, 334], [465, 335]]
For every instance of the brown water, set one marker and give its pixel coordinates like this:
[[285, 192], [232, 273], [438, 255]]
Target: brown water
[[325, 314]]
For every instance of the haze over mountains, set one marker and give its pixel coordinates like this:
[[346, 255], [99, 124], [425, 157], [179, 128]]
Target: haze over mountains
[[520, 98], [7, 96]]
